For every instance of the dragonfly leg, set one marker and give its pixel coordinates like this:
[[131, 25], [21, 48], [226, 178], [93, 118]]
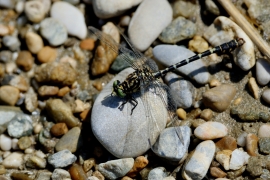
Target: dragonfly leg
[[134, 102]]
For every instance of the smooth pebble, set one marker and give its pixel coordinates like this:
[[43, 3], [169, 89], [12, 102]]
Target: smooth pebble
[[266, 95], [157, 173], [113, 127], [251, 144], [172, 54], [107, 9], [262, 71], [34, 42], [9, 95], [241, 140], [11, 42], [227, 142], [34, 10], [154, 16], [200, 160], [71, 17], [53, 31], [20, 125], [61, 159], [210, 130], [116, 168], [169, 146], [264, 131], [5, 142], [9, 4], [253, 87], [13, 160], [182, 91]]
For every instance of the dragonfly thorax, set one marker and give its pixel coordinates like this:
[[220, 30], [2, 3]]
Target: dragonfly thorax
[[118, 89]]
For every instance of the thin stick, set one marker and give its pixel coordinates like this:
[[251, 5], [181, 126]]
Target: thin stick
[[244, 24]]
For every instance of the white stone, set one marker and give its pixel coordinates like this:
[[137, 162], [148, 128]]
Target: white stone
[[172, 54], [107, 9], [60, 174], [223, 157], [13, 161], [112, 30], [238, 159], [122, 134], [200, 161], [223, 30], [266, 95], [241, 140], [71, 17], [264, 131], [263, 71], [7, 4], [5, 142], [34, 42], [19, 7], [157, 173], [150, 18], [211, 130], [34, 10], [116, 168]]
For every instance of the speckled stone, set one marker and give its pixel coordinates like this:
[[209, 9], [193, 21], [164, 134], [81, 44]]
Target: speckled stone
[[210, 130], [61, 159], [20, 125], [264, 144]]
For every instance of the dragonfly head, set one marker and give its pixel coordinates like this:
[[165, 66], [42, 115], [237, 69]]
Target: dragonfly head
[[118, 89]]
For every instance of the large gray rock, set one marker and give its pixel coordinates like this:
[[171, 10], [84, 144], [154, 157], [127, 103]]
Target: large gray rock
[[122, 134], [172, 54]]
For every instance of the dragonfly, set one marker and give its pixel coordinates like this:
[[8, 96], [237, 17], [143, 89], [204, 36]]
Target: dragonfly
[[146, 77]]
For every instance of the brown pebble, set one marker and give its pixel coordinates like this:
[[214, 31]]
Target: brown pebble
[[126, 178], [237, 101], [251, 144], [104, 56], [77, 173], [139, 163], [48, 91], [59, 129], [197, 122], [46, 54], [24, 142], [19, 82], [87, 44], [61, 74], [9, 95], [34, 42], [88, 164], [2, 170], [2, 70], [214, 83], [63, 91], [206, 114], [17, 175], [253, 87], [98, 175], [25, 60], [227, 143], [198, 44], [182, 114], [194, 113], [217, 172], [97, 85], [4, 30], [83, 115]]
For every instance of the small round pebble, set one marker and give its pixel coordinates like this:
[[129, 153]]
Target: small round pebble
[[76, 172], [241, 140], [5, 142], [12, 42], [24, 142], [182, 114], [9, 95], [220, 97], [36, 162], [252, 144], [25, 60], [264, 131], [210, 130], [198, 44], [34, 10], [20, 125], [206, 114], [34, 42], [4, 30], [13, 160], [53, 31], [110, 29], [266, 96], [59, 129], [69, 141], [139, 163], [179, 29], [157, 173], [61, 159], [61, 112], [60, 174], [214, 83], [116, 168], [44, 91], [262, 71], [63, 91], [237, 101], [46, 54]]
